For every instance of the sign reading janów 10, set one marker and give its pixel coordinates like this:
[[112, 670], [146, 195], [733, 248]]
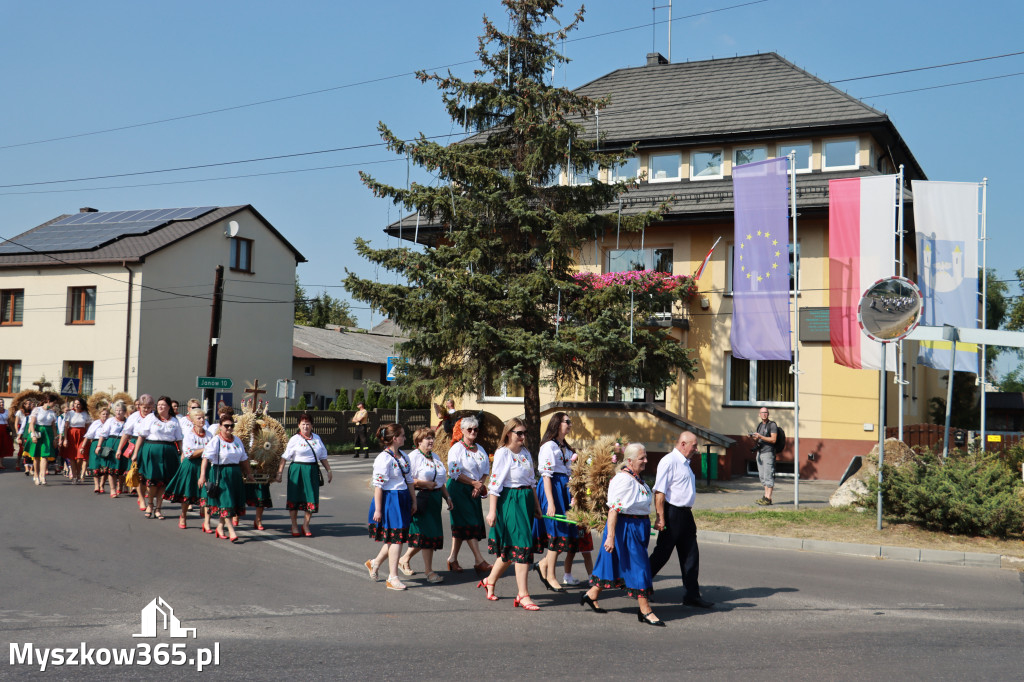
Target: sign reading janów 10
[[213, 382]]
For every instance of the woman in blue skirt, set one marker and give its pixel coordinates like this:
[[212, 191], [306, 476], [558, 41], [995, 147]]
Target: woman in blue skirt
[[554, 464], [392, 506], [622, 560], [305, 453]]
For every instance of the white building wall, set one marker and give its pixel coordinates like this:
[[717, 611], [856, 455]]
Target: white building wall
[[256, 321]]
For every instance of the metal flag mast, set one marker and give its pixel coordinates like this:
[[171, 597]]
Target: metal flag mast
[[795, 367], [900, 379], [983, 375]]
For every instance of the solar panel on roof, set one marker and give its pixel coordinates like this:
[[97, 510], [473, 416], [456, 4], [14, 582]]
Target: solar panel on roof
[[84, 231]]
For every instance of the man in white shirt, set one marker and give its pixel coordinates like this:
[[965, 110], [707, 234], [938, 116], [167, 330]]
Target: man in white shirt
[[674, 493]]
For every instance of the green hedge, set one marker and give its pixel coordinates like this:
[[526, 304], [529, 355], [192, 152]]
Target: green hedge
[[967, 494]]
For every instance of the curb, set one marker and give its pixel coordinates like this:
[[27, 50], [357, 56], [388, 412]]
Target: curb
[[925, 556]]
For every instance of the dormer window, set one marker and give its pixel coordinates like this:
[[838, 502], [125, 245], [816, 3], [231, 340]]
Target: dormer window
[[665, 167], [840, 154], [745, 155], [626, 171], [803, 155], [706, 165], [583, 176]]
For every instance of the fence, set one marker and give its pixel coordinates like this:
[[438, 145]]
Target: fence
[[336, 428], [931, 436]]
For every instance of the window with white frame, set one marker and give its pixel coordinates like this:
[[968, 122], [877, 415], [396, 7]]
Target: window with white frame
[[744, 155], [839, 154], [633, 394], [625, 171], [760, 382], [793, 254], [497, 388], [706, 164], [665, 167], [803, 155], [625, 260], [309, 370]]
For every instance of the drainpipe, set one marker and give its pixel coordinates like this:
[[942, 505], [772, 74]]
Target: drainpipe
[[128, 329]]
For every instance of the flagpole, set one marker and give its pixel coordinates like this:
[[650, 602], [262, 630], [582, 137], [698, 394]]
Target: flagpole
[[899, 345], [984, 304], [795, 368]]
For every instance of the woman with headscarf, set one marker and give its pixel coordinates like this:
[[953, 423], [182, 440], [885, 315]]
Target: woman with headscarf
[[468, 466], [622, 561]]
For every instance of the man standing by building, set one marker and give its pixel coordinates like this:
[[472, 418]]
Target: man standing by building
[[764, 438], [361, 418], [674, 493]]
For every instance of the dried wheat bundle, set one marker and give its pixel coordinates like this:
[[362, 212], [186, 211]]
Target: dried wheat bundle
[[593, 470], [96, 402], [442, 443], [18, 401], [125, 398], [264, 439]]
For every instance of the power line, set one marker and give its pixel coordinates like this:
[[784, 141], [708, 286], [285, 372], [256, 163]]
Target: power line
[[335, 88]]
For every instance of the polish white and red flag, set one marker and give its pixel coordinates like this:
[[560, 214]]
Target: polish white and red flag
[[861, 251], [704, 264]]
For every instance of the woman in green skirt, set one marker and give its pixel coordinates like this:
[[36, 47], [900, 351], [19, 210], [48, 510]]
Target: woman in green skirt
[[184, 487], [468, 466], [425, 531], [91, 443], [305, 452], [225, 461], [157, 450], [42, 439], [105, 451], [514, 505]]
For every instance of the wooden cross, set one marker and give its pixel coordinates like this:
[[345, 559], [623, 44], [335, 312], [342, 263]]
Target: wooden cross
[[255, 391], [113, 389], [42, 384]]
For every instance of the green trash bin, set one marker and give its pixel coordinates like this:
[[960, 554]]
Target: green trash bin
[[709, 465]]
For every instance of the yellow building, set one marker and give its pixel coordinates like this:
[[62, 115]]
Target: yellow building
[[692, 123]]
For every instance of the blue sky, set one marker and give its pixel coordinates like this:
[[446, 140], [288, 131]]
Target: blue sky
[[70, 68]]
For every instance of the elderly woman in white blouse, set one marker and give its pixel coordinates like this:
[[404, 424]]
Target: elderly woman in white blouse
[[305, 453], [157, 450], [224, 463], [513, 506], [622, 561], [426, 533]]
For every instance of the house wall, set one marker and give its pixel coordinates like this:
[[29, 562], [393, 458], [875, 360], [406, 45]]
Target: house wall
[[330, 375], [44, 341], [256, 327]]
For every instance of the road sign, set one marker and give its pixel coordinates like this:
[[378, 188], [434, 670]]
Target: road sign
[[213, 382], [285, 389], [392, 366], [69, 386]]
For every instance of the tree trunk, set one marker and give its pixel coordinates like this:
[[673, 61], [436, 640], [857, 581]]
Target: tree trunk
[[531, 410]]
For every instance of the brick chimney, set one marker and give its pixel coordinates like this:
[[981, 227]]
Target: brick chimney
[[87, 209], [655, 58]]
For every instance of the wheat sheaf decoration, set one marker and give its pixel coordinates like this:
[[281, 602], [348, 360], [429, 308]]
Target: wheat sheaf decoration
[[596, 464], [264, 439]]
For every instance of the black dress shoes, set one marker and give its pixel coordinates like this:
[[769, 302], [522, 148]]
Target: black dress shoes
[[699, 603]]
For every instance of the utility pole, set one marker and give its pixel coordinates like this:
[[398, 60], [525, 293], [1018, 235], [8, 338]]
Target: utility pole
[[211, 352]]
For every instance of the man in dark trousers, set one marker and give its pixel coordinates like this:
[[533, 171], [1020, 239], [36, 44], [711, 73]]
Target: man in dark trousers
[[674, 493], [360, 419]]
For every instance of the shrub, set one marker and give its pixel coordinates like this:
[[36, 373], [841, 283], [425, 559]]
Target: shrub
[[358, 397], [966, 494], [341, 403], [301, 405]]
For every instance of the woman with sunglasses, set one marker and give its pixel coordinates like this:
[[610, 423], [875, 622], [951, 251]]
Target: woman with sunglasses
[[426, 533], [468, 466], [229, 461], [392, 506], [304, 453], [513, 506], [554, 463]]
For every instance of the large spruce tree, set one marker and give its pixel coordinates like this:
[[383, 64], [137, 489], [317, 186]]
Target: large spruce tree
[[497, 293]]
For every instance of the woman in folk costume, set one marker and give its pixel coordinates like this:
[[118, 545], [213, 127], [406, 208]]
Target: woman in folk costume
[[76, 423], [622, 561], [554, 464], [42, 438], [468, 466], [157, 450], [91, 446], [20, 442], [392, 506], [107, 438], [513, 506], [426, 533], [183, 488], [143, 408], [304, 453], [224, 463]]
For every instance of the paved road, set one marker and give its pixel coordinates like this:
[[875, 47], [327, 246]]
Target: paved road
[[78, 567]]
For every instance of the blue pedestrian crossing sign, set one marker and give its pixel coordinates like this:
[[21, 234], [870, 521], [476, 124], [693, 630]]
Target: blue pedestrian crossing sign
[[392, 366], [69, 386]]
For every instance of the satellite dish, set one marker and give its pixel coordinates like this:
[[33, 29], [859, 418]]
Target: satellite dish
[[232, 229], [890, 309]]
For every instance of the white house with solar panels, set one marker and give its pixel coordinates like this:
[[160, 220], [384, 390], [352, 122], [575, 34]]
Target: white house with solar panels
[[122, 300]]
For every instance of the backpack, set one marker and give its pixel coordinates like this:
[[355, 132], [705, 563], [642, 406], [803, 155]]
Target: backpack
[[780, 439]]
